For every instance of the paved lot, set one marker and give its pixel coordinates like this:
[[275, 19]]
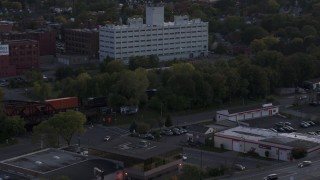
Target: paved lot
[[269, 122]]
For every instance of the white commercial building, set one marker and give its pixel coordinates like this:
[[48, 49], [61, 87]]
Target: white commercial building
[[260, 141], [247, 112], [180, 39]]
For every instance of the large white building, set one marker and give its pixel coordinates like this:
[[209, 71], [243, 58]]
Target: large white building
[[279, 145], [180, 39], [248, 112]]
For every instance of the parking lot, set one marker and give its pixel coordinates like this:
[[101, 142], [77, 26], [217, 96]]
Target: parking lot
[[271, 122]]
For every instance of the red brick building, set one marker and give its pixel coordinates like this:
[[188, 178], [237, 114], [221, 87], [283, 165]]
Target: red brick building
[[6, 26], [45, 37], [82, 42], [23, 56]]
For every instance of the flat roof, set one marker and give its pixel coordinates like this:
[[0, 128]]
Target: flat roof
[[84, 170], [129, 146], [45, 160], [265, 135]]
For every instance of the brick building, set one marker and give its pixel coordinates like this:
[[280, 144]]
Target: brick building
[[6, 26], [82, 42], [45, 37], [23, 55]]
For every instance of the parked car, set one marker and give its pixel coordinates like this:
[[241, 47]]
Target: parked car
[[239, 167], [312, 123], [149, 136], [183, 156], [304, 125], [273, 130], [279, 124], [107, 138], [304, 164], [312, 133], [291, 128], [182, 130], [176, 131], [287, 123], [280, 129], [308, 124], [271, 177], [167, 132]]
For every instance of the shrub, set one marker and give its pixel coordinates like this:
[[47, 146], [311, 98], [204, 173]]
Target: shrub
[[298, 153]]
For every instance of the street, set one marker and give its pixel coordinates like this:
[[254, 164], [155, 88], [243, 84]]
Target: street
[[288, 172]]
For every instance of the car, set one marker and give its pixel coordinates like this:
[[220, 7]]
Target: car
[[271, 177], [280, 129], [167, 132], [176, 131], [304, 164], [312, 123], [279, 124], [312, 133], [273, 130], [107, 138], [239, 167], [149, 137], [287, 123], [183, 156], [304, 125], [287, 129], [308, 124], [291, 128]]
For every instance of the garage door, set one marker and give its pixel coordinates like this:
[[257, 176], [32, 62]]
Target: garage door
[[236, 146], [283, 155]]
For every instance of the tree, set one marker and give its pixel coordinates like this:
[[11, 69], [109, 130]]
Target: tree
[[142, 128], [168, 122], [64, 72], [298, 152], [46, 135], [133, 127], [33, 76], [253, 32], [11, 127], [66, 124]]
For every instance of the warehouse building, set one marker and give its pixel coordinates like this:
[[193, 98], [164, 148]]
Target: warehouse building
[[255, 140], [248, 112], [181, 39]]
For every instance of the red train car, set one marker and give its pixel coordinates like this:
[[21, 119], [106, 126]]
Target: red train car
[[64, 103]]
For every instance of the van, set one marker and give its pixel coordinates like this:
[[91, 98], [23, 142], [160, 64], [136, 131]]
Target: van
[[271, 177]]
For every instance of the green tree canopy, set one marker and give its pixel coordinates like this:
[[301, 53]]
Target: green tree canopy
[[66, 124]]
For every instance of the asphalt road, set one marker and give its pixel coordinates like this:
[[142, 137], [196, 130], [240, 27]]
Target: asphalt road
[[289, 172]]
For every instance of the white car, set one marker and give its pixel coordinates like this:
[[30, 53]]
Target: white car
[[107, 138], [304, 164], [183, 156]]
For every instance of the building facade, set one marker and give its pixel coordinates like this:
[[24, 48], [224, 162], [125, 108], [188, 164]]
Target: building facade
[[23, 55], [180, 39], [247, 112], [82, 42], [265, 143], [45, 37]]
